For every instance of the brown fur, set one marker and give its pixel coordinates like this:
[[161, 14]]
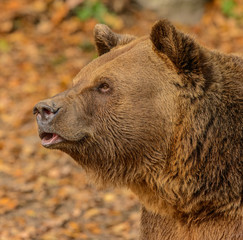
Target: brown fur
[[163, 117]]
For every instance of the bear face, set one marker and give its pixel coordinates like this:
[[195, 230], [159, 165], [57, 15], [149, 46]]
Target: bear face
[[160, 115], [106, 115]]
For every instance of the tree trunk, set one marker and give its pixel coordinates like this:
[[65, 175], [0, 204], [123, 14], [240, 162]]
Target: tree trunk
[[184, 11]]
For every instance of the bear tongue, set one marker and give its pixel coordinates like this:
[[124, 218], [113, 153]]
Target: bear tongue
[[50, 138]]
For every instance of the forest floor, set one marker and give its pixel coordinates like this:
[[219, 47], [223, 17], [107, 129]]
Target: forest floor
[[44, 194]]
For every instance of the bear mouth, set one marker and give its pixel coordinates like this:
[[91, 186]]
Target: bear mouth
[[49, 139]]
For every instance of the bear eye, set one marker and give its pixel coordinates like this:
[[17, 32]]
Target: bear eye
[[104, 87]]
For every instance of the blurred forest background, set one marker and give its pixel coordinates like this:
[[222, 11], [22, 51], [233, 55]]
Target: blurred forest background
[[43, 45]]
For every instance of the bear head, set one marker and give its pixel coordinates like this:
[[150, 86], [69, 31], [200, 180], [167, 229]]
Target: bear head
[[149, 114]]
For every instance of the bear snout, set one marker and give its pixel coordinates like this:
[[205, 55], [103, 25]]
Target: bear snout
[[45, 115]]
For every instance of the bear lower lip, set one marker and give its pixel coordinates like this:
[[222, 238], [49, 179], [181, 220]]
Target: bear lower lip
[[48, 139]]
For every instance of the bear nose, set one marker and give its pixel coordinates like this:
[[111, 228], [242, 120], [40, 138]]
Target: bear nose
[[44, 112]]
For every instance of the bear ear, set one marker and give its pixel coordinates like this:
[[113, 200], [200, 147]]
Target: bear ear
[[182, 50], [105, 39]]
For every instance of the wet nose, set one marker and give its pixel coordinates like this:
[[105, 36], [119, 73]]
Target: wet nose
[[44, 112]]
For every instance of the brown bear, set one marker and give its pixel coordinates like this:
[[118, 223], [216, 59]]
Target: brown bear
[[161, 115]]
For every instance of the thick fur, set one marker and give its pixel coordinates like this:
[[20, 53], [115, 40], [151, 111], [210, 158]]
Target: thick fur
[[169, 127]]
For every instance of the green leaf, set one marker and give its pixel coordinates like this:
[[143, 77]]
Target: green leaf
[[4, 46], [87, 46], [228, 7], [91, 9]]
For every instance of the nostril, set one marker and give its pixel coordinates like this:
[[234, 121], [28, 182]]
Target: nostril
[[47, 111], [35, 111]]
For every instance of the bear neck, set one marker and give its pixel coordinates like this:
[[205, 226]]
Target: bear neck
[[155, 226]]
